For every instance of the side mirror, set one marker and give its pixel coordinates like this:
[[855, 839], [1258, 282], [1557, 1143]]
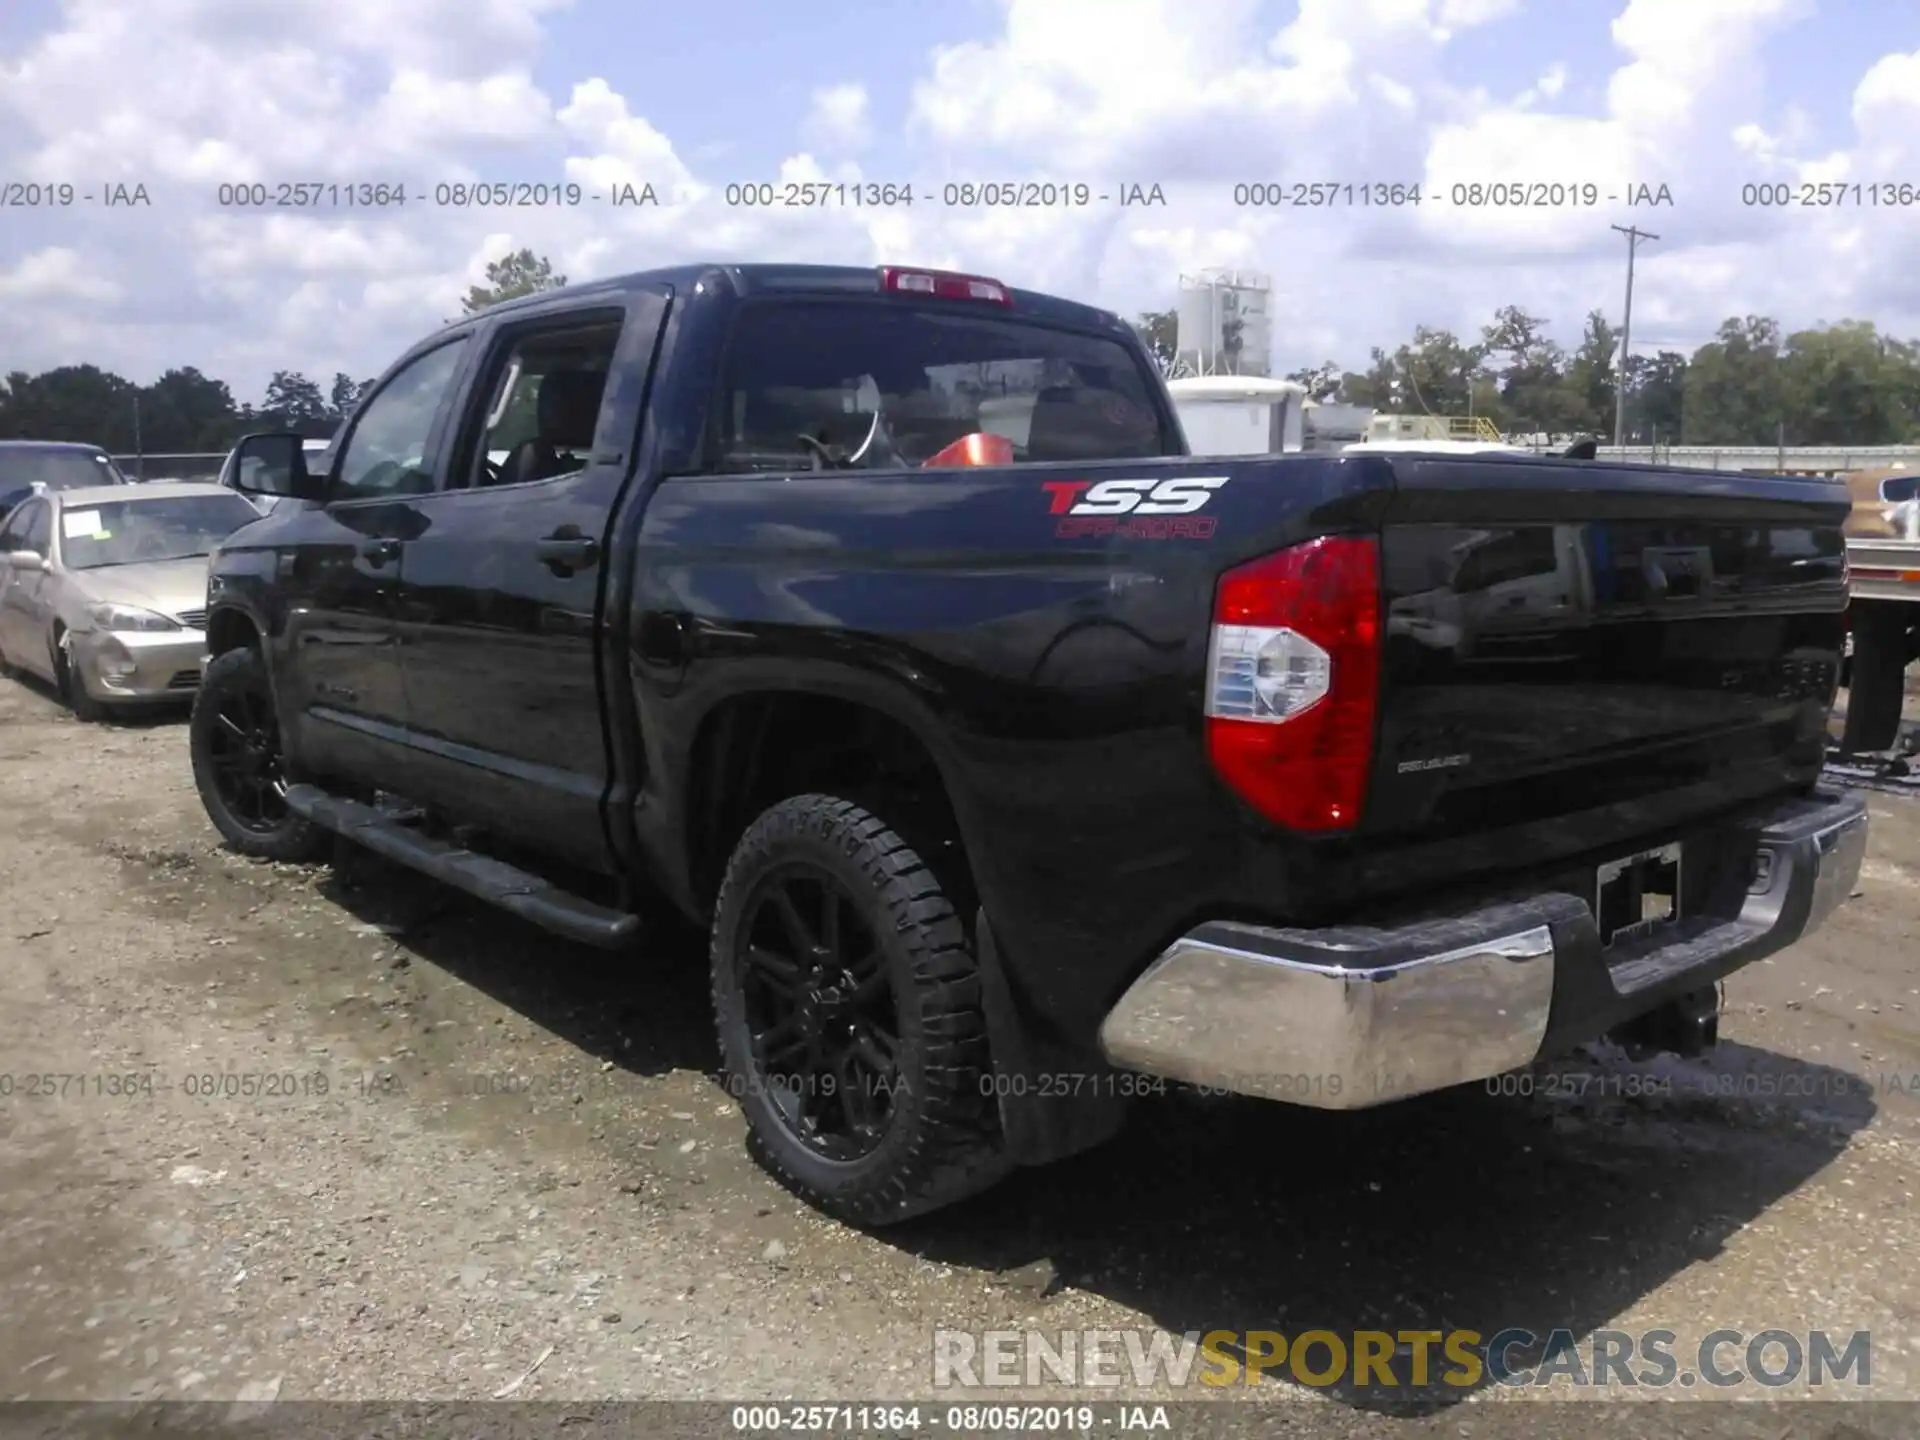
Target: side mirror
[[275, 464], [25, 560]]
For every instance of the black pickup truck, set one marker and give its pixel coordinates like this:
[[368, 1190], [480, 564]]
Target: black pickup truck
[[1016, 762]]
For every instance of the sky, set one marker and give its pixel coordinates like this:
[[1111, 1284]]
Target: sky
[[1577, 107]]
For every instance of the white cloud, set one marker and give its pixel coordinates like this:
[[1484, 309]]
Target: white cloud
[[626, 148], [839, 118], [1463, 14], [504, 107], [1886, 108], [1548, 87], [55, 274], [1174, 89], [1106, 92]]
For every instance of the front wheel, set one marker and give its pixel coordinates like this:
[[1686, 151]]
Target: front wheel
[[72, 685], [238, 766], [850, 1017]]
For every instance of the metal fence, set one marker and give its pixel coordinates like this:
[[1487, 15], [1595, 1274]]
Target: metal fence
[[172, 467], [1778, 459]]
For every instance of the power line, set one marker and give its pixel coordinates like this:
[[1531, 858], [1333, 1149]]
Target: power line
[[1634, 237]]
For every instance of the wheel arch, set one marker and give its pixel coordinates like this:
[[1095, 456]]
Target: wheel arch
[[754, 747], [230, 627]]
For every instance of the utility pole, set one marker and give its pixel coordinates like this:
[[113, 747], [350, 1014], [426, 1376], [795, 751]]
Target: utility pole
[[1634, 237]]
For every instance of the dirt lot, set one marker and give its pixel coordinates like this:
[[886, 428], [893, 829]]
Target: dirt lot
[[382, 1142]]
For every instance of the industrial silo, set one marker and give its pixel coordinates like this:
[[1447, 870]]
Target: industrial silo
[[1224, 324]]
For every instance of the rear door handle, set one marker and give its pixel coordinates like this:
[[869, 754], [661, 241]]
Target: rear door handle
[[563, 553], [381, 552]]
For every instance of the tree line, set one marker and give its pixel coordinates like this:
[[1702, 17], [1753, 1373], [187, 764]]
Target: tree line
[[1752, 384], [183, 412], [187, 412]]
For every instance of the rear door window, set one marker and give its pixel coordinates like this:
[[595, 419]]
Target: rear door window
[[882, 385], [543, 396]]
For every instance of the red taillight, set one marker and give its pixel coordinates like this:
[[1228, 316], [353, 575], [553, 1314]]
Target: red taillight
[[1293, 681], [980, 448], [943, 285]]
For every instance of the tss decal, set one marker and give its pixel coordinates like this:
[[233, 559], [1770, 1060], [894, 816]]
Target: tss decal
[[1181, 496], [1092, 507]]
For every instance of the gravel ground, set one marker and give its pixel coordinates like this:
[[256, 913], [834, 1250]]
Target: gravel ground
[[390, 1144]]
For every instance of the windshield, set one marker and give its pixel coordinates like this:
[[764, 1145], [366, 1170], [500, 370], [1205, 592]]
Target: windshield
[[22, 467], [133, 532], [870, 386]]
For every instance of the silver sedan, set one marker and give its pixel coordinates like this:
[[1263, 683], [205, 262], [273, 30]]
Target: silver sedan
[[103, 591]]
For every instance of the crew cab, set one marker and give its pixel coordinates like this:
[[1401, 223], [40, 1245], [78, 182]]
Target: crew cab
[[1016, 772]]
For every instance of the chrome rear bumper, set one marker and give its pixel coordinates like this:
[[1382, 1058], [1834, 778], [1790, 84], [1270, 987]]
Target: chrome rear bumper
[[1351, 1017]]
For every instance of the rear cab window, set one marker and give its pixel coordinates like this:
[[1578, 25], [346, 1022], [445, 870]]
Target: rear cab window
[[883, 385]]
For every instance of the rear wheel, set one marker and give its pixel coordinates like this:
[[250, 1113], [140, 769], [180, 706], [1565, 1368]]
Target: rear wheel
[[239, 767], [1877, 686], [850, 1016]]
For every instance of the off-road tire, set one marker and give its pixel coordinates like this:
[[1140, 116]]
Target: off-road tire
[[942, 1144], [291, 840], [1881, 651]]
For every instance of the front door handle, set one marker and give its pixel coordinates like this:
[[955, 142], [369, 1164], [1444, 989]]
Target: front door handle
[[381, 552], [563, 553]]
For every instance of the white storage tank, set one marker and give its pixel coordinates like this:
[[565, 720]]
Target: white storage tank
[[1223, 323], [1239, 414]]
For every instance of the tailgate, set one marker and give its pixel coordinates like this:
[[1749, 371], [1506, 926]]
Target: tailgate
[[1635, 646]]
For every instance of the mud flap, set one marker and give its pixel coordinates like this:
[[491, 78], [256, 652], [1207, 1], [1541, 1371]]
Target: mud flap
[[1052, 1104]]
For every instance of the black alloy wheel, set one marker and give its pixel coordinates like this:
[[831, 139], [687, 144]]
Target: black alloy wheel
[[851, 1017], [244, 751], [238, 764], [820, 1012]]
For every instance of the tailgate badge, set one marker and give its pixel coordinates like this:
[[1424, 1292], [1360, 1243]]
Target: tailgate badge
[[1438, 762]]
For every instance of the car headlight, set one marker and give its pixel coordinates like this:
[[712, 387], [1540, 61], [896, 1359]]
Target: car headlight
[[109, 616]]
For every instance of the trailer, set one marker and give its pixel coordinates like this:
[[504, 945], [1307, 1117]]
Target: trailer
[[1240, 414]]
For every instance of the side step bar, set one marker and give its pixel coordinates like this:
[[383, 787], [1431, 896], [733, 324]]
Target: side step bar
[[512, 889]]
